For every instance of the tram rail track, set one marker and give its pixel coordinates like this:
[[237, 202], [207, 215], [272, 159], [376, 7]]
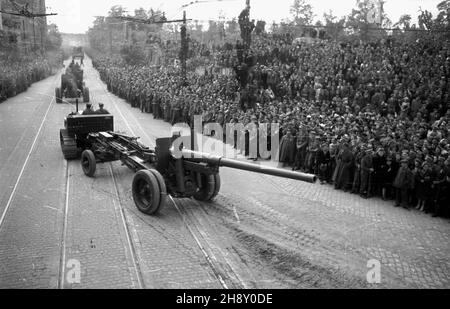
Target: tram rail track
[[25, 164], [228, 279]]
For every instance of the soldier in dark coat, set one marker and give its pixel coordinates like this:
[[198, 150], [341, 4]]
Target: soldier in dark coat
[[311, 156], [101, 110], [156, 105], [324, 162], [334, 151], [343, 178], [366, 172], [88, 110], [287, 148], [302, 145], [423, 186], [439, 187], [402, 183], [357, 175], [379, 165], [387, 176]]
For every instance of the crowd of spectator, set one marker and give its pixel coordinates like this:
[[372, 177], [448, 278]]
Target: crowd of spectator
[[369, 118], [16, 76]]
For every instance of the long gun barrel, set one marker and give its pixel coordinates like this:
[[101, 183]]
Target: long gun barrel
[[194, 156]]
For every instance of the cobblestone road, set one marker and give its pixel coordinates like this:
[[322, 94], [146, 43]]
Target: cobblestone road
[[261, 232]]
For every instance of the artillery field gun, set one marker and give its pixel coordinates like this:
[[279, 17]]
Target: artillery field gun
[[77, 52], [158, 171], [72, 84]]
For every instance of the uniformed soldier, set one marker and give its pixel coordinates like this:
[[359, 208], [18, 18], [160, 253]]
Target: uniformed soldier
[[88, 110], [101, 110], [156, 105]]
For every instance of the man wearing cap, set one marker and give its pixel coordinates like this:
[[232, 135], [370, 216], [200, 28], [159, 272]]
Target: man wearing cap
[[379, 165], [88, 110], [402, 183], [344, 168], [423, 187], [439, 187], [302, 145], [101, 110], [366, 172], [359, 154], [323, 163], [287, 148], [388, 177], [311, 156]]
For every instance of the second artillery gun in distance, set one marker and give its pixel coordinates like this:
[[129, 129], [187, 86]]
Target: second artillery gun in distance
[[77, 52], [159, 172], [72, 84]]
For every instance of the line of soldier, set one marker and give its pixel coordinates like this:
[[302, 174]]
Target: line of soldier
[[167, 102], [17, 77]]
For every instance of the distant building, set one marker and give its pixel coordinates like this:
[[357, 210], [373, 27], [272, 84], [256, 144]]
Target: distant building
[[30, 32]]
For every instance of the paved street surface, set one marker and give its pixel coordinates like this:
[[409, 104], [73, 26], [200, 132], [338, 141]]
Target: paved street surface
[[261, 231]]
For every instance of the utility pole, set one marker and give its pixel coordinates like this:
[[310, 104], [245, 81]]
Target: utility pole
[[246, 26]]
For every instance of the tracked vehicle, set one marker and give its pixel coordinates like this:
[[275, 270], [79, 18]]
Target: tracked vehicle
[[72, 85]]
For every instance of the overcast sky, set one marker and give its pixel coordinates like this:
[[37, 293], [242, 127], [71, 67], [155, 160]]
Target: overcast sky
[[76, 16]]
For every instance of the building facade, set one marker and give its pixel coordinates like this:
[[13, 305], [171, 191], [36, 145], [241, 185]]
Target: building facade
[[30, 32]]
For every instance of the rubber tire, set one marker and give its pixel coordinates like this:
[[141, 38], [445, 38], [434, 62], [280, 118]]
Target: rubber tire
[[162, 189], [88, 157], [58, 95], [86, 97], [149, 179], [218, 183], [210, 189]]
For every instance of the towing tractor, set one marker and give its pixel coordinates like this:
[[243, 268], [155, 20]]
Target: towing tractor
[[77, 52], [158, 172], [72, 84]]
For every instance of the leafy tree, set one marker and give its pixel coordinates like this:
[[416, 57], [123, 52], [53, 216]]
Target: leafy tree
[[443, 17], [117, 11], [426, 21], [141, 14], [302, 12], [132, 54], [404, 22], [367, 18], [334, 27]]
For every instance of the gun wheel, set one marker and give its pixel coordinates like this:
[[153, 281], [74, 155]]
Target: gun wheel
[[68, 146], [209, 189], [162, 189], [88, 163], [147, 192]]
